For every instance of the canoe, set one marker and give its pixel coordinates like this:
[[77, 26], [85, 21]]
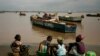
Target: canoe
[[61, 26], [72, 19], [69, 12], [22, 14], [93, 15]]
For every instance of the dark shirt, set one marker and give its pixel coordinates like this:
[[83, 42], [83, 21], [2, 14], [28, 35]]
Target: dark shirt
[[76, 44]]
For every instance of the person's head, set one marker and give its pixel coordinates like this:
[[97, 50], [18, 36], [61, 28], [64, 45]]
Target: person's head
[[49, 38], [60, 40], [17, 37], [45, 13], [79, 38]]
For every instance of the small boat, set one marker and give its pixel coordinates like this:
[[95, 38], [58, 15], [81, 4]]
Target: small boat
[[72, 19], [57, 26], [82, 16], [22, 14], [69, 12], [93, 15]]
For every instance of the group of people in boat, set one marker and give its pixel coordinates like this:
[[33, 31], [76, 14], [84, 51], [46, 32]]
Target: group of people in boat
[[60, 49], [47, 17]]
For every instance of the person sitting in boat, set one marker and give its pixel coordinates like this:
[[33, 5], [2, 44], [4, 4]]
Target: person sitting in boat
[[55, 20], [15, 46], [44, 46], [60, 48], [45, 16], [34, 16], [38, 17], [77, 48], [50, 16]]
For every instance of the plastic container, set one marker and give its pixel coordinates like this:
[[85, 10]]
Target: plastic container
[[90, 53]]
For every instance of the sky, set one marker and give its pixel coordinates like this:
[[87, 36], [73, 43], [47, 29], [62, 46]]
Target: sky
[[51, 5]]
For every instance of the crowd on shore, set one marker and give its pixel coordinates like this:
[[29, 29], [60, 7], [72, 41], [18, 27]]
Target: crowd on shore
[[45, 47]]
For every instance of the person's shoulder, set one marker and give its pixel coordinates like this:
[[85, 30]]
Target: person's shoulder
[[63, 45], [56, 46], [43, 42], [79, 42], [18, 42], [13, 42]]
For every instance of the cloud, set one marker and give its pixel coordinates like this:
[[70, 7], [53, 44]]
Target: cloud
[[58, 5]]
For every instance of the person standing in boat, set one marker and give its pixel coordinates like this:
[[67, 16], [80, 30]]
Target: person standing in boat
[[44, 46], [77, 48], [15, 46]]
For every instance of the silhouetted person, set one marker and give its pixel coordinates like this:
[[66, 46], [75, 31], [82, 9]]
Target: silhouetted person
[[60, 48], [15, 46], [45, 44], [78, 47]]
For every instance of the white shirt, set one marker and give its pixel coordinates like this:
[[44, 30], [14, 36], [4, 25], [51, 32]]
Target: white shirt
[[61, 50]]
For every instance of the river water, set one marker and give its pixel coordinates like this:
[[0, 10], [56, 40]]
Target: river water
[[12, 24]]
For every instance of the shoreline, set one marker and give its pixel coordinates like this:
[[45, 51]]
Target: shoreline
[[51, 11], [5, 49]]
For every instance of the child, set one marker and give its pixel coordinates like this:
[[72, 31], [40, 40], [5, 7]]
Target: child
[[78, 48], [60, 48], [44, 46], [15, 46]]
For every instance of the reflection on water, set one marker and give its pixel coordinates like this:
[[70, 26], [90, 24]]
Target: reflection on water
[[55, 34], [12, 23]]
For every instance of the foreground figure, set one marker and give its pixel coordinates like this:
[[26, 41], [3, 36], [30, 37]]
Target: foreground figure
[[44, 47], [60, 48], [19, 49], [16, 45], [77, 48]]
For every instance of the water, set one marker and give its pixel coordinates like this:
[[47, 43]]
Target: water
[[12, 24]]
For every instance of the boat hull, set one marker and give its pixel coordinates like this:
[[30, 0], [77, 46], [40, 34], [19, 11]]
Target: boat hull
[[54, 26], [93, 15], [22, 14], [71, 19]]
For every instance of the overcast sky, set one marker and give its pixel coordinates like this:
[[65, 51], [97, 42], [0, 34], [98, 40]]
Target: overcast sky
[[50, 5]]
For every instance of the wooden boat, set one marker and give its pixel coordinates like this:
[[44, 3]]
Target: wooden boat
[[72, 19], [93, 15], [22, 14], [57, 26], [69, 12]]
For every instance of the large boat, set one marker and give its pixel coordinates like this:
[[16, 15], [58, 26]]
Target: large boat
[[70, 18], [93, 15], [57, 26]]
